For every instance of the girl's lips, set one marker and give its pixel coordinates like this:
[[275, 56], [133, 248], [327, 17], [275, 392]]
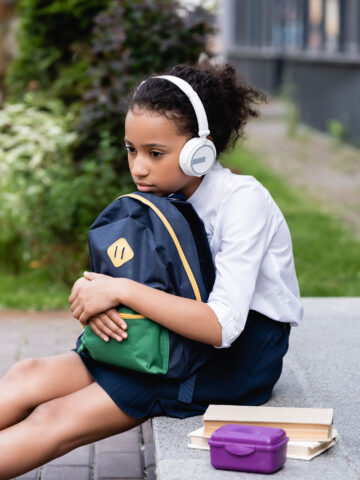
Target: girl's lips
[[143, 187]]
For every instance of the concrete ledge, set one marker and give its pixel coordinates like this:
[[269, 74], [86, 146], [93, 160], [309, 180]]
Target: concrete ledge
[[321, 369]]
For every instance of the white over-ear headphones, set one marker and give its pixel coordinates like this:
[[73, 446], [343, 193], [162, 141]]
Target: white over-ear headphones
[[198, 155]]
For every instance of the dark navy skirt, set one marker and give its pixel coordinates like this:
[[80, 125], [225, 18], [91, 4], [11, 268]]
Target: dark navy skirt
[[243, 374]]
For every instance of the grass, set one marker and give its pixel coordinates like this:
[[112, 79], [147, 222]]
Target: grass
[[32, 290], [327, 254]]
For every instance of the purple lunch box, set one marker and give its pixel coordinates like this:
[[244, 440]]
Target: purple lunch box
[[248, 448]]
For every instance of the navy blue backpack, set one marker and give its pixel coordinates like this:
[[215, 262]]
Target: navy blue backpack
[[160, 242]]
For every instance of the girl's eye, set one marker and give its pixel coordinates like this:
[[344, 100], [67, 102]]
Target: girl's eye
[[130, 149], [156, 154]]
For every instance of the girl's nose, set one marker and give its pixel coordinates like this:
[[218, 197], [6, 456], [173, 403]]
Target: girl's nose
[[139, 167]]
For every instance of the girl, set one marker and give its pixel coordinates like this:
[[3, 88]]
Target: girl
[[49, 406]]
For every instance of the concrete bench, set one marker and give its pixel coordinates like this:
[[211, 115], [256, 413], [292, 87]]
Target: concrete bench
[[321, 369]]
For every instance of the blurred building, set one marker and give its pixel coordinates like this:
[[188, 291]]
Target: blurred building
[[310, 47]]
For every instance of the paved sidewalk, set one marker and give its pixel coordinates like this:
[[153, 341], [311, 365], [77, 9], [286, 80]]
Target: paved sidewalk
[[321, 370], [125, 456]]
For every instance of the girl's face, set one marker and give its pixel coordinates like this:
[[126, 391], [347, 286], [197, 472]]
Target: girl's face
[[154, 144]]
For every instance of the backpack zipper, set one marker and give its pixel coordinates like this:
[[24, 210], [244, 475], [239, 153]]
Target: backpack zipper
[[130, 316]]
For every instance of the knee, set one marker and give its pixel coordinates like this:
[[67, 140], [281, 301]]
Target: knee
[[45, 421], [44, 414], [23, 370]]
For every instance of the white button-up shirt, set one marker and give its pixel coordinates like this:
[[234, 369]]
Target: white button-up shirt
[[251, 248]]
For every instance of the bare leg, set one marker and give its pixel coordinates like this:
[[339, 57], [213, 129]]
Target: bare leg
[[58, 426], [34, 381]]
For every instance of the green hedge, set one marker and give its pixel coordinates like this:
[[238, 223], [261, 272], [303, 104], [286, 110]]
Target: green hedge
[[62, 157], [47, 203], [53, 42]]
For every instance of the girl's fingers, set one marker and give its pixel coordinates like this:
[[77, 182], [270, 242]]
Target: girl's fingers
[[115, 317], [109, 328], [114, 322], [75, 288], [74, 305], [77, 312], [98, 332], [74, 293], [83, 317]]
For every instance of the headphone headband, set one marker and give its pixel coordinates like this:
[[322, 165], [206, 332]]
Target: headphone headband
[[198, 155], [194, 99]]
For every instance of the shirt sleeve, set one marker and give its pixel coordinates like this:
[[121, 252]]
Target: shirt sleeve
[[245, 223]]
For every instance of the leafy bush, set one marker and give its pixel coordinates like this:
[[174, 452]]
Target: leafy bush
[[90, 54], [53, 40], [337, 130], [132, 39], [48, 204], [63, 161]]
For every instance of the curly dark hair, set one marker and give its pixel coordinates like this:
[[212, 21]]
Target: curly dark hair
[[228, 101]]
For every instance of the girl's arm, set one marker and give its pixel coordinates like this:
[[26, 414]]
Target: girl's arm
[[189, 318]]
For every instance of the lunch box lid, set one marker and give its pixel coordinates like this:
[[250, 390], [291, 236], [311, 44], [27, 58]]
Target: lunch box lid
[[249, 435]]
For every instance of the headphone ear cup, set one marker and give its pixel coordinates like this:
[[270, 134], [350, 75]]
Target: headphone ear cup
[[197, 156]]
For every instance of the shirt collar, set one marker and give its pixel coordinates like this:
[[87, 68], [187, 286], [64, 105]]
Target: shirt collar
[[207, 196]]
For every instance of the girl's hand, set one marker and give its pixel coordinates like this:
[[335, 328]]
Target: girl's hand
[[80, 282], [109, 324], [93, 294]]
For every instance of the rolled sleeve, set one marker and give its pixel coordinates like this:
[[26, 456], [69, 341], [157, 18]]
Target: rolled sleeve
[[227, 317], [245, 225]]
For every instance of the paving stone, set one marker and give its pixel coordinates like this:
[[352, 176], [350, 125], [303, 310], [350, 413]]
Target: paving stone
[[57, 472], [118, 466], [149, 454], [127, 442], [79, 457], [147, 432], [33, 475], [8, 349], [36, 350], [150, 473]]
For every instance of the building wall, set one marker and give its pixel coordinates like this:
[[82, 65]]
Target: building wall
[[328, 91], [262, 72], [313, 45]]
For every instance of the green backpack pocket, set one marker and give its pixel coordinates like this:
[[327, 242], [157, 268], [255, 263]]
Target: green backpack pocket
[[145, 350]]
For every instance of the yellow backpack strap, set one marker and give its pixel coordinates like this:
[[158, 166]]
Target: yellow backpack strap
[[175, 240]]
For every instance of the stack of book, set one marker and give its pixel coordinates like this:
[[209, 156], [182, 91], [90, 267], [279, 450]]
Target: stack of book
[[310, 430]]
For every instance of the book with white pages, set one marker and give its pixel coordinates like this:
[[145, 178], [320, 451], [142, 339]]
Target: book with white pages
[[296, 449], [298, 423]]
